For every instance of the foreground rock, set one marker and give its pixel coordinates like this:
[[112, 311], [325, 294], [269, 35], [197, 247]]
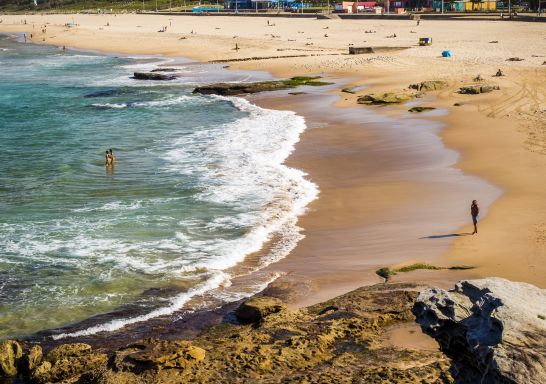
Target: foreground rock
[[339, 341], [153, 76], [232, 89], [494, 329]]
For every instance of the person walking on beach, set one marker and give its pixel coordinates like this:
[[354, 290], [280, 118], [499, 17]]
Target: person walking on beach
[[475, 211]]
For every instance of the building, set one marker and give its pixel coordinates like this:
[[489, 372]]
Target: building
[[263, 4], [355, 6]]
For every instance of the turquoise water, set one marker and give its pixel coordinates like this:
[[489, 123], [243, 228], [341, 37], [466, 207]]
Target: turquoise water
[[197, 186]]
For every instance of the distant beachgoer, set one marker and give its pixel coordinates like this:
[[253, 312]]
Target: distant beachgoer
[[112, 155], [475, 211], [25, 36], [108, 159]]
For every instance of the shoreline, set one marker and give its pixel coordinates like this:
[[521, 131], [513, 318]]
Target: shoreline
[[453, 252]]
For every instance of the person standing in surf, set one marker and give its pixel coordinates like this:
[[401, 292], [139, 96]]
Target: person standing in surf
[[474, 211], [112, 156], [109, 159]]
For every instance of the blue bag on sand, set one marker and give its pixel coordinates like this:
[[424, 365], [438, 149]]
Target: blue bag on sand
[[446, 53]]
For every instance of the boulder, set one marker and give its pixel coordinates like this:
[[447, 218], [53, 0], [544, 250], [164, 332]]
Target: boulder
[[385, 98], [493, 329], [430, 85], [257, 308], [477, 89], [153, 76], [10, 356]]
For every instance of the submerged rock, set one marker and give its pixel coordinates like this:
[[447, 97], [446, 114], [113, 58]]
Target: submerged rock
[[10, 356], [153, 76], [430, 85], [420, 109], [258, 308], [493, 329]]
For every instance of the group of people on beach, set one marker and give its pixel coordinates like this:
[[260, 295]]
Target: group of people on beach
[[110, 158]]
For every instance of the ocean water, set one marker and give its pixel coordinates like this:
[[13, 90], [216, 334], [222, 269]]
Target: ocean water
[[199, 184]]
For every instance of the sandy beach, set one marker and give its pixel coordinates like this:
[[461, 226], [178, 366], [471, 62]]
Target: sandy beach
[[391, 196]]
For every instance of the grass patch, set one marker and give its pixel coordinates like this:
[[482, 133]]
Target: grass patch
[[387, 272], [541, 317], [420, 109], [304, 80]]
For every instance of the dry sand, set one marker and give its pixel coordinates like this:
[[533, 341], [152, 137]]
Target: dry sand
[[384, 192]]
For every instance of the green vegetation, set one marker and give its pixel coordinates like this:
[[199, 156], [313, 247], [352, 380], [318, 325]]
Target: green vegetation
[[304, 80], [387, 272], [541, 317], [420, 109], [349, 90]]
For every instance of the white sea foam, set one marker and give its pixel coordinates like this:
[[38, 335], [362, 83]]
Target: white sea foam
[[238, 165]]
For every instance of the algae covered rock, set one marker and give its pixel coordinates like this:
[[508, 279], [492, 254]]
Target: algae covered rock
[[34, 358], [385, 98], [430, 85], [151, 354], [258, 308], [10, 356], [232, 89], [67, 362], [490, 327], [477, 89], [68, 350]]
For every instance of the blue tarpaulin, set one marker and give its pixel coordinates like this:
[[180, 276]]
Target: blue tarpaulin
[[447, 53]]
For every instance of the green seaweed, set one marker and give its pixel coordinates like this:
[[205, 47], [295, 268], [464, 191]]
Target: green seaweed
[[541, 317], [349, 90], [387, 272]]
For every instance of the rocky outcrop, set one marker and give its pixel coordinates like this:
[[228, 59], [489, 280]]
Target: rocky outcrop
[[153, 76], [385, 98], [233, 89], [257, 309], [10, 357], [493, 329], [477, 89], [430, 85], [339, 341]]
